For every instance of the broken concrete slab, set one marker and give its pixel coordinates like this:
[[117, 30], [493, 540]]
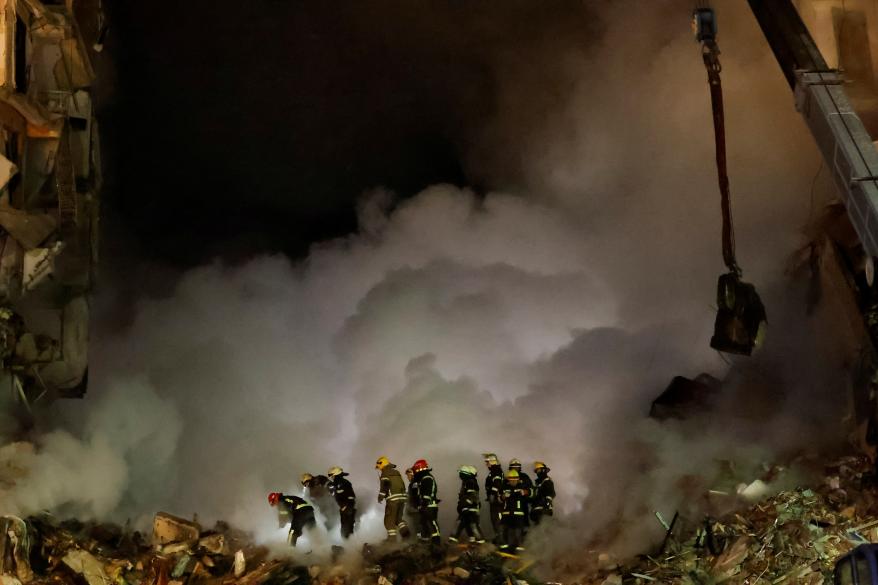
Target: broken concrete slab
[[214, 543], [240, 564], [168, 528], [85, 564]]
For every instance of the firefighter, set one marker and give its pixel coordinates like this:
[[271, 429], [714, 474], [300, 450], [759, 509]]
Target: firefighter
[[317, 491], [468, 506], [526, 485], [428, 503], [295, 511], [543, 501], [392, 490], [413, 501], [493, 490], [514, 512], [343, 492]]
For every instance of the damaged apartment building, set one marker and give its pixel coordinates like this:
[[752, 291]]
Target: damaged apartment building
[[49, 184]]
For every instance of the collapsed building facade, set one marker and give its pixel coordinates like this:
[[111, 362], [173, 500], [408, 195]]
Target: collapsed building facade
[[49, 184]]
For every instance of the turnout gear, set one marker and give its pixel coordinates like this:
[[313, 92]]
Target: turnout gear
[[295, 511], [544, 494], [493, 492], [392, 489], [412, 502], [317, 491], [468, 506], [514, 513], [525, 484], [343, 492], [316, 485], [382, 462], [428, 502]]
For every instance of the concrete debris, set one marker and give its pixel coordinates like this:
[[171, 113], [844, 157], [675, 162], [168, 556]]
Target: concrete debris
[[240, 563], [214, 543], [167, 529], [794, 536], [84, 563], [755, 491]]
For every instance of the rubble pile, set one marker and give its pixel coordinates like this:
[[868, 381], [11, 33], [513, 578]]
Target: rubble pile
[[793, 537], [40, 550]]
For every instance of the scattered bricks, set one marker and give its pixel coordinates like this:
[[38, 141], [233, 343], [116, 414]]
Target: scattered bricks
[[461, 572], [167, 529]]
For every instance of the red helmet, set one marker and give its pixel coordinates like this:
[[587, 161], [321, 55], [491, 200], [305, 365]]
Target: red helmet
[[274, 498], [420, 465]]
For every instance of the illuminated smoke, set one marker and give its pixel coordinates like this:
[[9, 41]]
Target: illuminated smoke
[[537, 322]]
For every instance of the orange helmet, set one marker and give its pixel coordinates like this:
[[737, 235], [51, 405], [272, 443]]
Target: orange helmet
[[420, 465], [274, 498]]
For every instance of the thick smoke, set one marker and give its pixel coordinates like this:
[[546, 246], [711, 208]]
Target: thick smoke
[[538, 321]]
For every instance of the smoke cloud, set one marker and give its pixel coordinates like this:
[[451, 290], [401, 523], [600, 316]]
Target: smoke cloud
[[537, 321]]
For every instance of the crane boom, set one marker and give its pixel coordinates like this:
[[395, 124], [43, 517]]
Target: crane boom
[[820, 97]]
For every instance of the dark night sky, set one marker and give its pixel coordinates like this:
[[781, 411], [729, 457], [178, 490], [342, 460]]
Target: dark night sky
[[234, 127]]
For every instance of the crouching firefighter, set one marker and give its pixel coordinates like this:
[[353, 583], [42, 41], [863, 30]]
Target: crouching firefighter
[[293, 510], [343, 492], [392, 490], [544, 494], [317, 491], [514, 516], [428, 502], [468, 507]]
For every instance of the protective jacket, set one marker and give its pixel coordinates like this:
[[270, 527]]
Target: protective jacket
[[468, 497], [391, 485], [317, 486], [428, 505], [514, 516], [297, 512], [468, 511], [544, 497], [493, 493], [392, 490], [343, 492]]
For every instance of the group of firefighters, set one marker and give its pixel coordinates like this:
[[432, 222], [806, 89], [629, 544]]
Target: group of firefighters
[[514, 500]]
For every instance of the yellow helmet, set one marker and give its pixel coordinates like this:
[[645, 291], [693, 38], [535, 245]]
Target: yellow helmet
[[512, 474], [333, 471], [382, 462], [515, 464], [306, 477], [538, 465], [491, 459]]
